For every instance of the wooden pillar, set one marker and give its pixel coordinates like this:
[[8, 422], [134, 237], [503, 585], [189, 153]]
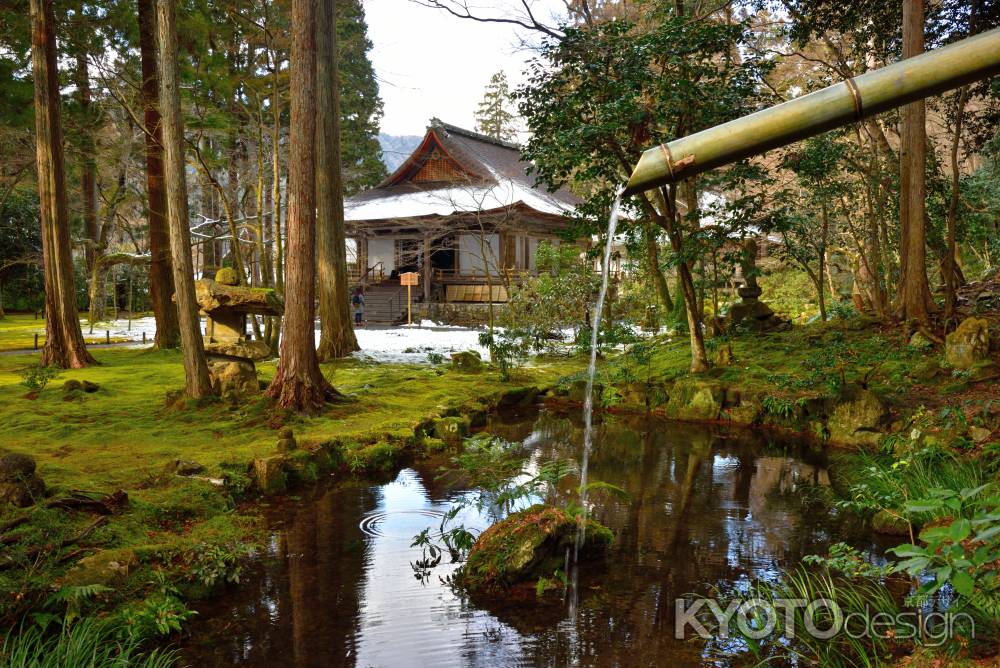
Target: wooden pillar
[[428, 271]]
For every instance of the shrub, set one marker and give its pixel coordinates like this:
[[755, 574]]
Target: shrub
[[36, 377]]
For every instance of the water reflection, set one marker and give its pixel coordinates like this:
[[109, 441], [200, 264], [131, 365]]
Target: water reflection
[[706, 511]]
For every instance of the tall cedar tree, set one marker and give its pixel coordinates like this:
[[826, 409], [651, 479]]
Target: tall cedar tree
[[197, 383], [492, 116], [336, 331], [914, 298], [161, 281], [64, 346], [298, 383]]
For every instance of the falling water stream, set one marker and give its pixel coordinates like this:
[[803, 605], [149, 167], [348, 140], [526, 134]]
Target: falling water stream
[[588, 406]]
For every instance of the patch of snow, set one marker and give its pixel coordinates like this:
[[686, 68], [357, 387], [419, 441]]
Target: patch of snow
[[411, 344], [408, 344]]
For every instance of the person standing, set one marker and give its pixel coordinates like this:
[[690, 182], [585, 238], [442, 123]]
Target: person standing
[[358, 302]]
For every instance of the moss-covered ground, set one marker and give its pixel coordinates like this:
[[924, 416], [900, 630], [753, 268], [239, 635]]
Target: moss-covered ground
[[17, 332], [818, 360]]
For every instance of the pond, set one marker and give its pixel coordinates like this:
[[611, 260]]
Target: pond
[[708, 510]]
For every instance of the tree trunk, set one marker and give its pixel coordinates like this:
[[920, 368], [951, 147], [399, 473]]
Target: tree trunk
[[161, 280], [914, 299], [197, 383], [88, 166], [950, 266], [653, 259], [694, 300], [64, 344], [336, 337], [821, 260], [298, 383]]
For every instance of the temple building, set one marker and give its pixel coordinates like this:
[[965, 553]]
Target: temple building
[[462, 211]]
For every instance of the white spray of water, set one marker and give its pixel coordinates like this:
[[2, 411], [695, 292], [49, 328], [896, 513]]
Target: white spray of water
[[588, 401]]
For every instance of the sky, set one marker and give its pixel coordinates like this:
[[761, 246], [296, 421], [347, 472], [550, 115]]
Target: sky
[[431, 64]]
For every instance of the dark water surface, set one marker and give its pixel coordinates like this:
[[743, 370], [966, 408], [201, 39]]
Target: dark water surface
[[709, 510]]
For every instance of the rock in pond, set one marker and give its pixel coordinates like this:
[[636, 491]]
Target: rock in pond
[[527, 545], [969, 344]]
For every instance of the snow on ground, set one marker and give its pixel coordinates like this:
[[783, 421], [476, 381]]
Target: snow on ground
[[408, 344], [412, 344]]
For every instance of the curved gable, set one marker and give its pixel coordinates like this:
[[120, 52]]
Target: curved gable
[[431, 162]]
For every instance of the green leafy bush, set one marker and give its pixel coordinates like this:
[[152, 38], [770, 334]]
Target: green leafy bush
[[36, 377]]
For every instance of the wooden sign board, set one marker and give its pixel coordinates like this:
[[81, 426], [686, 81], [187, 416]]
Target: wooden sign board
[[409, 278]]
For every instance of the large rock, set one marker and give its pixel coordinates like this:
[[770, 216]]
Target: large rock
[[451, 430], [695, 399], [106, 567], [969, 344], [19, 484], [229, 376], [528, 545], [269, 473], [468, 361], [857, 418]]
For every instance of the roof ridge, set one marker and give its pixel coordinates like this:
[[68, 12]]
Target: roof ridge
[[438, 123]]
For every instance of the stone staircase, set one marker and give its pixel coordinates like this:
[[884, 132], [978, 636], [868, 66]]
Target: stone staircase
[[385, 303]]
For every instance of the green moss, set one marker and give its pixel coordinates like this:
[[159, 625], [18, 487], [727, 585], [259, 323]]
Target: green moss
[[379, 456], [527, 545]]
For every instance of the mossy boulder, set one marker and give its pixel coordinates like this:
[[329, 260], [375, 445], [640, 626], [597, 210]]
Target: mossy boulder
[[19, 484], [269, 474], [468, 361], [518, 396], [378, 456], [528, 545], [577, 391], [72, 385], [104, 568], [451, 430], [695, 399], [227, 276], [969, 344], [858, 417], [233, 377]]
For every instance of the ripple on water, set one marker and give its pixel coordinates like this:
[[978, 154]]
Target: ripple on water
[[399, 523]]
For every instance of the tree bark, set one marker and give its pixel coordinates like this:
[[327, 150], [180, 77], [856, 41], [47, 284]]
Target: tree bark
[[197, 383], [88, 166], [950, 266], [161, 280], [298, 383], [693, 301], [653, 259], [914, 299], [336, 331], [64, 344]]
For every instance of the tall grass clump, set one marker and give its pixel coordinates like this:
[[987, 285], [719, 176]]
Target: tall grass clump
[[789, 643], [88, 643]]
